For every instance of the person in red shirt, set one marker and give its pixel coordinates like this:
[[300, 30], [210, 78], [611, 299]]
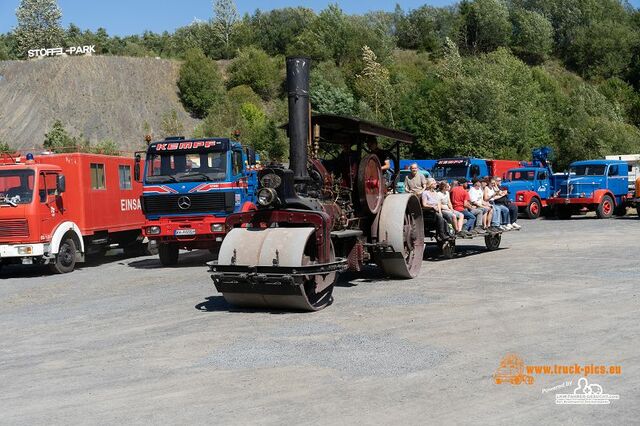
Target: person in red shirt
[[461, 202]]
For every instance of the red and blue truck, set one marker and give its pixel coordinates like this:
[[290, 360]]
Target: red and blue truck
[[531, 185], [593, 185], [190, 187]]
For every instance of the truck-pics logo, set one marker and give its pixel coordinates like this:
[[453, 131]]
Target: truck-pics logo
[[511, 370]]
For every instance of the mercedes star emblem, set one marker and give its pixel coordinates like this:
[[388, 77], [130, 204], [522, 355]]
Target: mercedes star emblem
[[184, 203]]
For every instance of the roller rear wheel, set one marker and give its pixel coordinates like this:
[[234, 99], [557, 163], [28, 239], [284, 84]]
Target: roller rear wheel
[[402, 229]]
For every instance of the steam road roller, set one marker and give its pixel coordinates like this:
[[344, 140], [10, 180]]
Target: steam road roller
[[319, 217]]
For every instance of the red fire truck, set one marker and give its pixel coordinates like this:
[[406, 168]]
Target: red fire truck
[[55, 209]]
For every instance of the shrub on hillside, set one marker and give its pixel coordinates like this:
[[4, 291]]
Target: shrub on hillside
[[200, 83], [254, 68]]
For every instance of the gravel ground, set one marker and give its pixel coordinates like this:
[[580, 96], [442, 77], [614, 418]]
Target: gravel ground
[[126, 341]]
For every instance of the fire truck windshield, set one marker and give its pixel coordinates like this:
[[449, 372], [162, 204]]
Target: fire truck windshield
[[184, 167], [16, 187]]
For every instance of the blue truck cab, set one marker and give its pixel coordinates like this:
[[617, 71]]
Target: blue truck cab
[[190, 187], [593, 185]]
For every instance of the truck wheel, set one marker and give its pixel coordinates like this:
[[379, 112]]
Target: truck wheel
[[65, 259], [620, 210], [534, 208], [605, 208], [168, 254]]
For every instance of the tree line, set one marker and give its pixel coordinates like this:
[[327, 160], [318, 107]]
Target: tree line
[[491, 78]]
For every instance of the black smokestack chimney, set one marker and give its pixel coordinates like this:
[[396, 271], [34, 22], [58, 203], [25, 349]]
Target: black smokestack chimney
[[299, 110]]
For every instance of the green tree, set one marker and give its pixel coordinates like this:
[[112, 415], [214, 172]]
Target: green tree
[[59, 140], [254, 68], [5, 148], [486, 25], [38, 25], [4, 50], [532, 36], [225, 17], [200, 83], [106, 147], [277, 30]]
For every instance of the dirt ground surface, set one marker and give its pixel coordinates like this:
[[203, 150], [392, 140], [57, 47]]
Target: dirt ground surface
[[127, 341]]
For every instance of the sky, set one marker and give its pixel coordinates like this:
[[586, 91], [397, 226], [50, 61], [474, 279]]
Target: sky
[[124, 17]]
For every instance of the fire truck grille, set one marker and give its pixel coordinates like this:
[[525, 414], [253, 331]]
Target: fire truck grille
[[189, 203], [14, 228]]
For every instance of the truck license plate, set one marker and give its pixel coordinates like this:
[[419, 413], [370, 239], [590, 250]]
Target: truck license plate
[[183, 232]]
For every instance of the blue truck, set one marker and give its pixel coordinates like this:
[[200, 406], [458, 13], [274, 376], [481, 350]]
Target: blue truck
[[531, 185], [592, 185], [190, 187]]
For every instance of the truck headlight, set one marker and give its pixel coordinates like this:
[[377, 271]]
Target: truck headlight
[[217, 227], [153, 230], [25, 250], [520, 197], [266, 196], [583, 195]]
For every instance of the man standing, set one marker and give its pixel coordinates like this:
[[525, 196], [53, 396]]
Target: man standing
[[415, 183]]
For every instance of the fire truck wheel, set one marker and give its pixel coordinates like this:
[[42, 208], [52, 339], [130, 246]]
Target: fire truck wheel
[[168, 254], [534, 208], [605, 208], [66, 257]]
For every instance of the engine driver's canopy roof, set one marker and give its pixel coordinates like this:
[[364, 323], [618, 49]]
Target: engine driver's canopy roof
[[340, 129]]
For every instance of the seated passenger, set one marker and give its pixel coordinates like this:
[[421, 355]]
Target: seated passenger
[[477, 201], [415, 183], [432, 208], [461, 203], [497, 198], [456, 219], [513, 209]]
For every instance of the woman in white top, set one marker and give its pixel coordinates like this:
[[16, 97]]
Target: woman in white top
[[456, 219]]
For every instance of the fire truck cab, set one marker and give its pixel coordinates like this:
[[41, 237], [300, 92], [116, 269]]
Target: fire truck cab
[[55, 209]]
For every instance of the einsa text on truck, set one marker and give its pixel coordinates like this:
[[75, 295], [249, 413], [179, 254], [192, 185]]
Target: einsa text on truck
[[56, 209]]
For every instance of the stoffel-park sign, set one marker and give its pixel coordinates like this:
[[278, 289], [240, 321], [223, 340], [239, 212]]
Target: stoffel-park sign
[[61, 51]]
